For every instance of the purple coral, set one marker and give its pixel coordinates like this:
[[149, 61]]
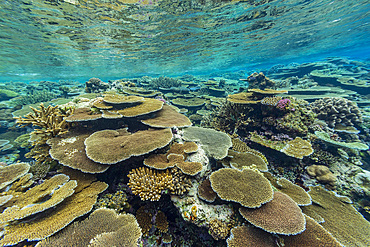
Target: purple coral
[[283, 104]]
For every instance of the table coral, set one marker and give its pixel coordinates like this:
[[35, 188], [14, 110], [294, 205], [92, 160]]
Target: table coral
[[247, 187], [338, 209], [280, 216], [249, 236]]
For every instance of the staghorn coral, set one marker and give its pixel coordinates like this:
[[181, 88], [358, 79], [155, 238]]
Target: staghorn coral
[[314, 235], [247, 187], [337, 111], [113, 146], [249, 236], [89, 231], [218, 229], [322, 174], [49, 120], [336, 210], [280, 216], [149, 184], [215, 143], [165, 82]]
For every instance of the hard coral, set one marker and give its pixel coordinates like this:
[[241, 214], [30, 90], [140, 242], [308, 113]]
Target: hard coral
[[336, 210], [249, 236], [122, 230], [247, 187], [149, 184], [280, 216], [322, 174], [337, 111]]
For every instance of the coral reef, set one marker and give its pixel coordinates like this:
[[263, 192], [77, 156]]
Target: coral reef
[[249, 236]]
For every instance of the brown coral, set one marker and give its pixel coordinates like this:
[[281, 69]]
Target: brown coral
[[10, 173], [218, 229], [322, 174], [249, 236], [69, 150], [297, 148], [168, 117], [205, 191], [297, 193], [243, 98], [247, 187], [145, 107], [337, 110], [44, 225], [83, 115], [144, 219], [342, 220], [239, 160], [281, 216], [113, 146], [161, 222], [33, 201], [314, 235], [149, 184], [89, 231]]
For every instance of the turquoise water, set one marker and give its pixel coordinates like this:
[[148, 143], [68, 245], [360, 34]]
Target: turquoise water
[[79, 39], [192, 123]]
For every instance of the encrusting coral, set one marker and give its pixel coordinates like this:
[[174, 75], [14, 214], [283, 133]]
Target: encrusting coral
[[281, 216], [322, 174], [90, 232], [247, 187]]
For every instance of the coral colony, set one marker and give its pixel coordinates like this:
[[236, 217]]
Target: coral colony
[[148, 163]]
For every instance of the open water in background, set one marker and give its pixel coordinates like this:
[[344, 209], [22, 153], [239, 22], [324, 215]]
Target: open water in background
[[80, 39]]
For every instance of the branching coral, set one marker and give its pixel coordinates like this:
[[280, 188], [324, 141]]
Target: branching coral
[[149, 184]]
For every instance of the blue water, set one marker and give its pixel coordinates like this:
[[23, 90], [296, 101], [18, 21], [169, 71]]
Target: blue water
[[80, 39]]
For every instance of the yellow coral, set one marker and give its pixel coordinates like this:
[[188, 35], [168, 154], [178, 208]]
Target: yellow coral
[[149, 184]]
